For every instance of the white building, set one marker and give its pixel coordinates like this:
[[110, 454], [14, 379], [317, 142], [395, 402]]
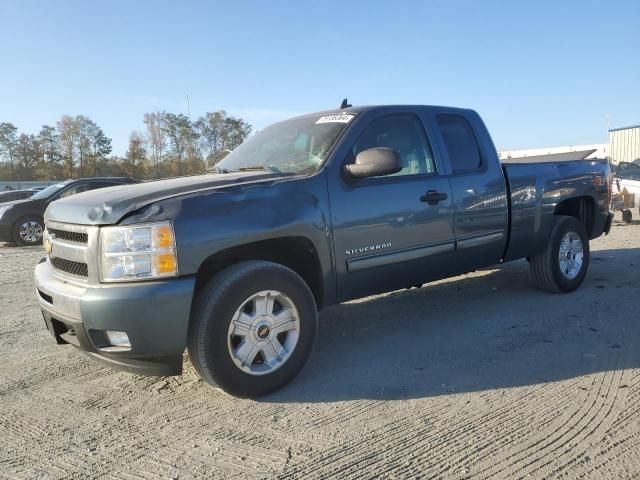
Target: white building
[[624, 144]]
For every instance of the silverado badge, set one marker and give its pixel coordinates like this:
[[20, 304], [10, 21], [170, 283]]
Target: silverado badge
[[368, 248]]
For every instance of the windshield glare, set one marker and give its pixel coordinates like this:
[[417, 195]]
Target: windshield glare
[[298, 146], [47, 192]]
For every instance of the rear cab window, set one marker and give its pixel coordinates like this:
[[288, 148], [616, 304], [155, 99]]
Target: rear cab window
[[461, 143]]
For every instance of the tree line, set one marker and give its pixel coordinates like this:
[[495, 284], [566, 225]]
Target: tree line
[[169, 145]]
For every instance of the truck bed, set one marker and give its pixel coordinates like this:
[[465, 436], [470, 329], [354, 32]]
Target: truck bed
[[536, 188]]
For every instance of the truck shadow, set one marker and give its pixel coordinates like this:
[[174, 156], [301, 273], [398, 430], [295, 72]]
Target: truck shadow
[[492, 329]]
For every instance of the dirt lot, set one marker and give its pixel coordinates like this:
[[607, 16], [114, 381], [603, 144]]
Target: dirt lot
[[479, 376]]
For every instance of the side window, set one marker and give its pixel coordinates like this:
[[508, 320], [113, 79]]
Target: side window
[[461, 143], [628, 171], [77, 189], [405, 134]]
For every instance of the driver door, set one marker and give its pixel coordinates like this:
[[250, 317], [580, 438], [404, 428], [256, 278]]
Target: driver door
[[392, 232]]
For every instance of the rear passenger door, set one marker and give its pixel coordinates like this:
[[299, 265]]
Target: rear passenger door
[[480, 203], [387, 232]]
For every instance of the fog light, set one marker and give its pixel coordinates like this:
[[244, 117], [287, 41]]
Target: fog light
[[118, 339]]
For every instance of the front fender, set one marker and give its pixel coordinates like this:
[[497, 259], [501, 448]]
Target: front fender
[[209, 223]]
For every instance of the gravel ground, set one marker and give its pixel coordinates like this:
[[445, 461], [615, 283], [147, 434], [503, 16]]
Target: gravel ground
[[478, 376]]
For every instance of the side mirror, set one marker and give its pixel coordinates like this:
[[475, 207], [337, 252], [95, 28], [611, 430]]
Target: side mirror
[[375, 162]]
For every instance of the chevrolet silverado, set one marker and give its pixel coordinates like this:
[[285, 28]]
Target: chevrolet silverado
[[234, 265]]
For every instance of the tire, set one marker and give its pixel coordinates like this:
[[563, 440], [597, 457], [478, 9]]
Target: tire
[[546, 267], [215, 349], [627, 216], [28, 231]]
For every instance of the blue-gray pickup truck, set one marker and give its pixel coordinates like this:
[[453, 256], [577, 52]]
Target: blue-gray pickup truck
[[233, 266]]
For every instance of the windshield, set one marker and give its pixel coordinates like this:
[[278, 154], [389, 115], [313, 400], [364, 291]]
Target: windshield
[[47, 192], [298, 146]]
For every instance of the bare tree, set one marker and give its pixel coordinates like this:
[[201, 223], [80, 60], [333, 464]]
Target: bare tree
[[100, 148], [48, 140], [136, 154], [210, 129], [86, 130], [179, 130], [219, 131], [235, 131], [9, 143], [27, 154], [78, 146], [156, 137], [68, 133]]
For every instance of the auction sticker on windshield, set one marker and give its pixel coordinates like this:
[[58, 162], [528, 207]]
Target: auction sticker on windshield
[[337, 118]]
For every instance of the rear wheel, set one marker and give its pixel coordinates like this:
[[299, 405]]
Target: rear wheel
[[28, 231], [562, 266], [252, 328]]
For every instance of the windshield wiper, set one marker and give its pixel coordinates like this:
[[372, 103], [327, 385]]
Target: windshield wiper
[[241, 169], [254, 168]]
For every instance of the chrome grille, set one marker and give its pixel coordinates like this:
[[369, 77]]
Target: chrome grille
[[76, 237], [74, 251], [69, 266]]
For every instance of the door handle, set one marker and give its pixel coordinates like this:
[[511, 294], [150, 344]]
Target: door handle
[[433, 198]]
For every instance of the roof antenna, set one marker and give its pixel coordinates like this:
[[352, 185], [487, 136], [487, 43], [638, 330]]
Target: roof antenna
[[345, 104]]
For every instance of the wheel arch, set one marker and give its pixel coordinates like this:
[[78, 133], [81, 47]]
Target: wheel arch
[[583, 208], [295, 252]]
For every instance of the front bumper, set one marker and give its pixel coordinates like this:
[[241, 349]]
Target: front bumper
[[154, 315]]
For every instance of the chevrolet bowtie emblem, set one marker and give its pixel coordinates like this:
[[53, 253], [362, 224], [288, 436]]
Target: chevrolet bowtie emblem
[[47, 243]]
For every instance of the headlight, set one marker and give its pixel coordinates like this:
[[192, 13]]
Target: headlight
[[138, 252], [4, 209]]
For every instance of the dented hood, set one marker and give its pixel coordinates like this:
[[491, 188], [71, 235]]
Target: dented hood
[[106, 206]]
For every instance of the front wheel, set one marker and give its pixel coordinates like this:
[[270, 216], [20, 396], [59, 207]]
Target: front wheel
[[562, 266], [28, 231], [252, 328]]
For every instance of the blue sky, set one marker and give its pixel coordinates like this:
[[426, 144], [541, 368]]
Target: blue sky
[[541, 73]]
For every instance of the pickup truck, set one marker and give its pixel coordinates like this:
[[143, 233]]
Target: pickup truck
[[233, 266]]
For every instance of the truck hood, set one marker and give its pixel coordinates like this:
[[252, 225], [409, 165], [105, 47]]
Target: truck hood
[[106, 206]]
